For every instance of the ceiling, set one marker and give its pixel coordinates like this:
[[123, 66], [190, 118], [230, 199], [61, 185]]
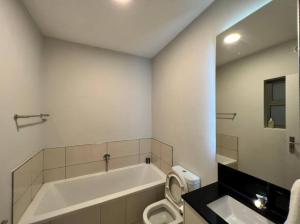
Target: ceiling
[[141, 27], [274, 24]]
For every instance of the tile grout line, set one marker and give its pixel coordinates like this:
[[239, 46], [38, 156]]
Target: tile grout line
[[12, 201], [43, 170], [139, 150], [65, 148]]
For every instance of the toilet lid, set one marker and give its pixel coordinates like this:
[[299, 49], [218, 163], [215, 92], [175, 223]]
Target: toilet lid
[[174, 188]]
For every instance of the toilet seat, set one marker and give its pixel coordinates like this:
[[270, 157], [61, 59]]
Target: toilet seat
[[162, 204], [170, 209], [175, 187]]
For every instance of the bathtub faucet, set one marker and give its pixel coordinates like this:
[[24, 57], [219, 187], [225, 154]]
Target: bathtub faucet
[[106, 157]]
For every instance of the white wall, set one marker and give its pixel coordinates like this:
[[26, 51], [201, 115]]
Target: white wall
[[183, 87], [94, 95], [240, 89], [20, 92]]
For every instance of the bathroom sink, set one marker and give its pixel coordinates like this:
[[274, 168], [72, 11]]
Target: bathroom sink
[[235, 212]]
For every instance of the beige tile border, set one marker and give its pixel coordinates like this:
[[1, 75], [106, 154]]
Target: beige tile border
[[54, 157], [123, 148], [228, 145], [84, 169], [158, 154], [30, 190], [54, 174], [95, 153]]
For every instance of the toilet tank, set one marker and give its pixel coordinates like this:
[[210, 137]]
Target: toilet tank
[[192, 180]]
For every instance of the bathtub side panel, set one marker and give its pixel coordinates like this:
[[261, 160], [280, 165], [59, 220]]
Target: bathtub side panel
[[125, 210], [88, 215], [114, 212]]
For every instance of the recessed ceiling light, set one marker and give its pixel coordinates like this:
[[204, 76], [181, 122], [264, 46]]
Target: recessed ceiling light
[[122, 2], [232, 38]]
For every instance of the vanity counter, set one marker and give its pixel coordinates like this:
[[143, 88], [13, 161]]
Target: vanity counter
[[199, 199], [226, 161]]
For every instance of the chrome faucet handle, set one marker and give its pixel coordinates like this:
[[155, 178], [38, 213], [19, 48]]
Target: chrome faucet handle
[[106, 156], [263, 197], [261, 201]]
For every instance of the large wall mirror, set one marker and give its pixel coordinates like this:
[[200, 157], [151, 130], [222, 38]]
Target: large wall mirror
[[257, 84]]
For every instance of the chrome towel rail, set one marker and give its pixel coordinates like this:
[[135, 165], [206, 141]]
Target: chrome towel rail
[[226, 116], [16, 116], [41, 116]]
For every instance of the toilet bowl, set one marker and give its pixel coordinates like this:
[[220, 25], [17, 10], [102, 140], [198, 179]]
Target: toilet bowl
[[162, 212], [169, 210]]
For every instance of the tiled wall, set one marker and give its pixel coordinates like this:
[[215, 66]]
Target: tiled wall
[[227, 146], [67, 162], [27, 180], [162, 155], [71, 161]]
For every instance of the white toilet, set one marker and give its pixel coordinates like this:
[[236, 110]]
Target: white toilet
[[170, 210]]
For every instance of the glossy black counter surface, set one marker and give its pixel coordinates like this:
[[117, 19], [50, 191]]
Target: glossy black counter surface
[[199, 199]]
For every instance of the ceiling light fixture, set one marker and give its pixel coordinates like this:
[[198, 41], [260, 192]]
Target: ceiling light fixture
[[232, 38], [122, 2]]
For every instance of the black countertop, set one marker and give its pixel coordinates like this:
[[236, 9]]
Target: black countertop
[[199, 199]]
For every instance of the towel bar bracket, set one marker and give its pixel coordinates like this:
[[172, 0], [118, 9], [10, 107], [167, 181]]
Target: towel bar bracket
[[41, 116]]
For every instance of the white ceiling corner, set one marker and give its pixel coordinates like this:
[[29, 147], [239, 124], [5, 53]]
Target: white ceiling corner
[[143, 27]]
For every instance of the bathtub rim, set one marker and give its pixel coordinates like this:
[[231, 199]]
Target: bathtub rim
[[28, 218]]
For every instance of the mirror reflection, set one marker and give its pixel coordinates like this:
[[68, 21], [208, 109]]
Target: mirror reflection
[[257, 86]]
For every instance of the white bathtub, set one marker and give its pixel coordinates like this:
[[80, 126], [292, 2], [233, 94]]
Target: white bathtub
[[65, 196]]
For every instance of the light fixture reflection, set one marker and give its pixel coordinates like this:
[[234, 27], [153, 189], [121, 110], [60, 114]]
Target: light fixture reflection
[[122, 2], [232, 38], [258, 203]]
